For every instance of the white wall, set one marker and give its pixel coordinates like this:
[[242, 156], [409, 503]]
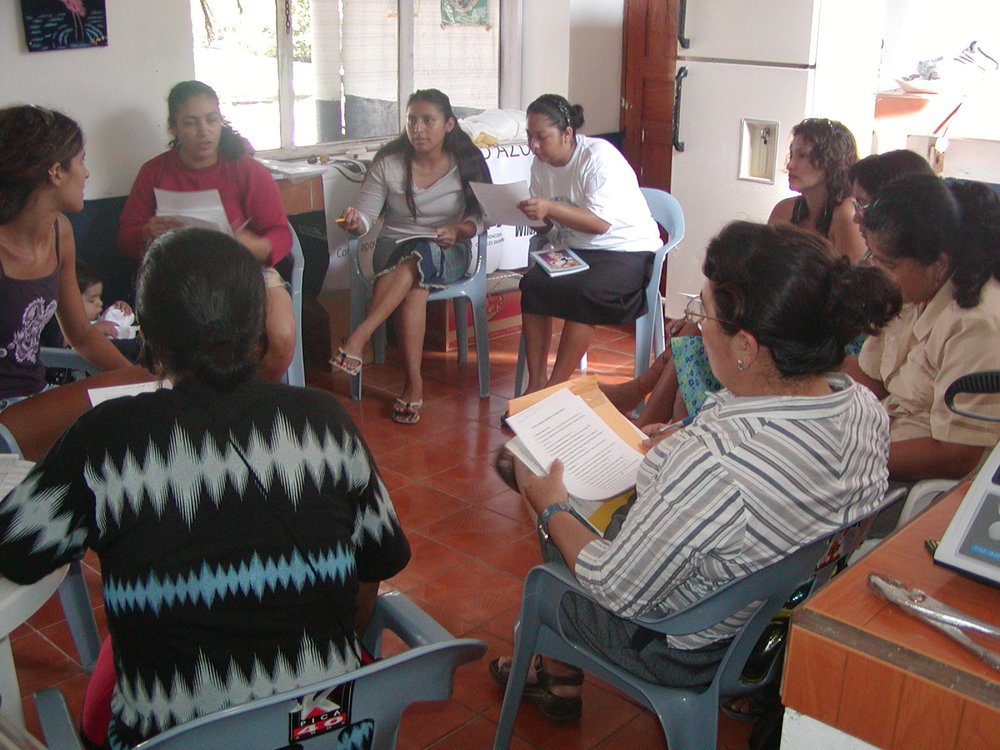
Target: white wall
[[595, 61], [117, 93], [574, 48]]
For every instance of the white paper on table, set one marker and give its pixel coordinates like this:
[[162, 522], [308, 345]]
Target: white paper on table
[[499, 203], [13, 469], [100, 395], [597, 463], [196, 208]]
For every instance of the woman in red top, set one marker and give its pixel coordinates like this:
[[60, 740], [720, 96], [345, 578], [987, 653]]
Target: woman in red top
[[207, 154]]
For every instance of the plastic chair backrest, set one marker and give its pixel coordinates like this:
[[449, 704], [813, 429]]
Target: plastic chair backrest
[[378, 694], [68, 359], [296, 374], [8, 443]]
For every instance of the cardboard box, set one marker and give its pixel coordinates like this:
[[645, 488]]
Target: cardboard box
[[503, 315]]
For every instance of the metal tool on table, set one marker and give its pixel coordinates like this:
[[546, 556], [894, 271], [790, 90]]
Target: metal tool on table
[[950, 621]]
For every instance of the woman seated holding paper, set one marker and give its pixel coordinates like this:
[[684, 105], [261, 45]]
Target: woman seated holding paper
[[207, 154], [42, 175], [589, 197], [787, 452], [419, 184]]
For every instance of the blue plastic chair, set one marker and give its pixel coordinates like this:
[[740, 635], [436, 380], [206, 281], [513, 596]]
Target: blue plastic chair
[[8, 443], [689, 717], [296, 373], [649, 331], [381, 691], [472, 289]]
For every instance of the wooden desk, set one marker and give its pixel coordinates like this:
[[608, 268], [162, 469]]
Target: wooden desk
[[37, 422], [865, 667]]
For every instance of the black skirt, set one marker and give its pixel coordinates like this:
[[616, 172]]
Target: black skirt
[[611, 292]]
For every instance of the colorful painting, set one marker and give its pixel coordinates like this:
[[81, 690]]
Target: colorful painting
[[465, 13], [64, 24]]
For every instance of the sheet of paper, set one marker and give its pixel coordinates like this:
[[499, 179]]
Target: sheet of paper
[[588, 389], [100, 395], [12, 470], [598, 464], [197, 208], [499, 203]]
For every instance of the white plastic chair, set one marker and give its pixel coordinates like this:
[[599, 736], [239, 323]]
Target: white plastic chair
[[381, 691], [73, 594], [296, 373], [649, 331], [471, 288]]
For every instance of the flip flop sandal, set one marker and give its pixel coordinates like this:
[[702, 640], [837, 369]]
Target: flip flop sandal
[[406, 412], [504, 466], [745, 707], [347, 362], [556, 708]]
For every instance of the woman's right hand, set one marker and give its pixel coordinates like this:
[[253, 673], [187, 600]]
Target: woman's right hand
[[159, 225], [351, 221]]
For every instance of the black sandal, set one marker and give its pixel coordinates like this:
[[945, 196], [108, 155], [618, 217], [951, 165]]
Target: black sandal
[[556, 708], [504, 466]]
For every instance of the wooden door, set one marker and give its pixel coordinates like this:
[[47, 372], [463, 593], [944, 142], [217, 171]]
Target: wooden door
[[649, 53]]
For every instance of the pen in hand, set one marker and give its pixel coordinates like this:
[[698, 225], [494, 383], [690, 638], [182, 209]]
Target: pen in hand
[[675, 425]]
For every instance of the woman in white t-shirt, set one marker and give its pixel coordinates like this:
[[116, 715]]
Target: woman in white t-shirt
[[589, 196]]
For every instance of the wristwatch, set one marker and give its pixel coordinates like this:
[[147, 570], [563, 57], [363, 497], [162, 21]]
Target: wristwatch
[[543, 519]]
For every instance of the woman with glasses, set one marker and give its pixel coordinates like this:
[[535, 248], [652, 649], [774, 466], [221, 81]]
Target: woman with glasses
[[939, 243], [42, 176], [871, 174], [819, 158], [786, 452]]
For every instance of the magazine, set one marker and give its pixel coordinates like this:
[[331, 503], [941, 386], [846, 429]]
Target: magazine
[[559, 262]]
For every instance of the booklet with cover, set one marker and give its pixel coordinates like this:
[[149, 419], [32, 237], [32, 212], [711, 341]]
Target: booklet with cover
[[559, 262], [574, 422]]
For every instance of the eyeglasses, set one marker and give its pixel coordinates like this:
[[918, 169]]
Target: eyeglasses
[[695, 313], [860, 208]]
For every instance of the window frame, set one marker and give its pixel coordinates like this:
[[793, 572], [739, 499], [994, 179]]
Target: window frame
[[509, 94]]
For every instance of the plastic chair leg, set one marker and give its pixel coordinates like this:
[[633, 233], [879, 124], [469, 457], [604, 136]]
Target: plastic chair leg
[[524, 654], [519, 372], [461, 305], [80, 616], [481, 327]]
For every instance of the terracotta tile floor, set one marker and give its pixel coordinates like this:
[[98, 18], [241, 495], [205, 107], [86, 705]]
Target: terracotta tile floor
[[472, 543]]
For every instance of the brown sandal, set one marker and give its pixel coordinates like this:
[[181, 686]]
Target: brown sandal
[[557, 708]]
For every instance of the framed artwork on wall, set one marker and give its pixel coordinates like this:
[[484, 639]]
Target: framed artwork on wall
[[64, 24]]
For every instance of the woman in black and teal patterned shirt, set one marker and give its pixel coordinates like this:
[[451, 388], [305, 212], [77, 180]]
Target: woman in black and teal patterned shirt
[[242, 526]]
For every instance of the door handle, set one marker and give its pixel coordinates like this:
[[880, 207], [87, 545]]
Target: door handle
[[682, 12], [681, 75]]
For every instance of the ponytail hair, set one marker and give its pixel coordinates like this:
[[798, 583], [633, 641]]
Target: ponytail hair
[[922, 217], [788, 288], [232, 145], [469, 159], [558, 111], [200, 300]]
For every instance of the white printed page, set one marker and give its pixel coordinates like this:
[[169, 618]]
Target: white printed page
[[598, 464], [196, 208], [100, 395], [13, 469], [499, 203]]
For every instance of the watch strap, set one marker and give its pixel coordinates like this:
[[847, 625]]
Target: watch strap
[[543, 519]]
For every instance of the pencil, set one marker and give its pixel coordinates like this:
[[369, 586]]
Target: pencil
[[675, 425]]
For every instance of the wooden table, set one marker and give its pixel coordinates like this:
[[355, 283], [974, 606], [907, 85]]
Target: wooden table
[[37, 422], [864, 667]]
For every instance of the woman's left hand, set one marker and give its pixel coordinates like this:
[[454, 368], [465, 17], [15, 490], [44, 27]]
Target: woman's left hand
[[541, 492], [447, 235]]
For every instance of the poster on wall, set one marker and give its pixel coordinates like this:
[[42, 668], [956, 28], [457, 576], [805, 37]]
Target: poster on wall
[[64, 24], [465, 13]]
